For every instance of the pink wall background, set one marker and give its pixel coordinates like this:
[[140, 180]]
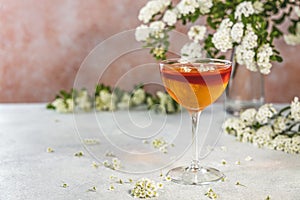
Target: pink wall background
[[42, 44]]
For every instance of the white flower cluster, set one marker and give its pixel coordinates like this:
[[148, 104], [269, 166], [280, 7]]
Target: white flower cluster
[[115, 164], [293, 39], [146, 188], [105, 101], [142, 33], [191, 50], [170, 17], [244, 8], [222, 39], [138, 96], [155, 29], [63, 106], [163, 103], [268, 128], [153, 33], [265, 113], [297, 10], [152, 8], [295, 109], [258, 7], [250, 38], [161, 145], [186, 7], [237, 32], [211, 194], [263, 58], [205, 5], [83, 100], [245, 51], [197, 33]]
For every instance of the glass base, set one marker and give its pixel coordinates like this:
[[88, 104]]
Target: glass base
[[195, 176]]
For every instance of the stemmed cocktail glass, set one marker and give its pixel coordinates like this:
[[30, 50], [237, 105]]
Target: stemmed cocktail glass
[[195, 84]]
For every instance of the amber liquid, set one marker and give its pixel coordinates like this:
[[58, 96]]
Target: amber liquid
[[195, 86]]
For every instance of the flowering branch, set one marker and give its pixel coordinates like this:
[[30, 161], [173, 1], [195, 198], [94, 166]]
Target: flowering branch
[[249, 27], [266, 127], [107, 99]]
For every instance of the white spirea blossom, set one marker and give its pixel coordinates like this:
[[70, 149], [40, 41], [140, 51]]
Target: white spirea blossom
[[258, 7], [138, 97], [166, 104], [191, 50], [70, 104], [280, 124], [170, 17], [296, 139], [250, 39], [279, 143], [211, 194], [297, 10], [296, 144], [245, 57], [197, 33], [264, 113], [125, 101], [263, 58], [186, 7], [237, 32], [221, 38], [263, 136], [205, 5], [157, 28], [105, 101], [116, 164], [226, 23], [158, 51], [142, 33], [233, 125], [245, 135], [145, 188], [248, 116], [295, 109], [292, 39], [244, 52], [245, 8], [151, 8], [83, 100], [62, 106]]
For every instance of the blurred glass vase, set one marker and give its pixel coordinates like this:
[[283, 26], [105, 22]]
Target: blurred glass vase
[[245, 90]]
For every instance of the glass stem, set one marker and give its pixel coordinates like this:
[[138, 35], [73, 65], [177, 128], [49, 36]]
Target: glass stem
[[195, 143]]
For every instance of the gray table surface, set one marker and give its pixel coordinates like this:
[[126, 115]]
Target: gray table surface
[[27, 171]]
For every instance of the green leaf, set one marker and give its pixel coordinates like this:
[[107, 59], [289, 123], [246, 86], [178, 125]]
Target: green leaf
[[276, 58], [211, 23], [221, 57], [275, 32], [50, 106], [65, 94]]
